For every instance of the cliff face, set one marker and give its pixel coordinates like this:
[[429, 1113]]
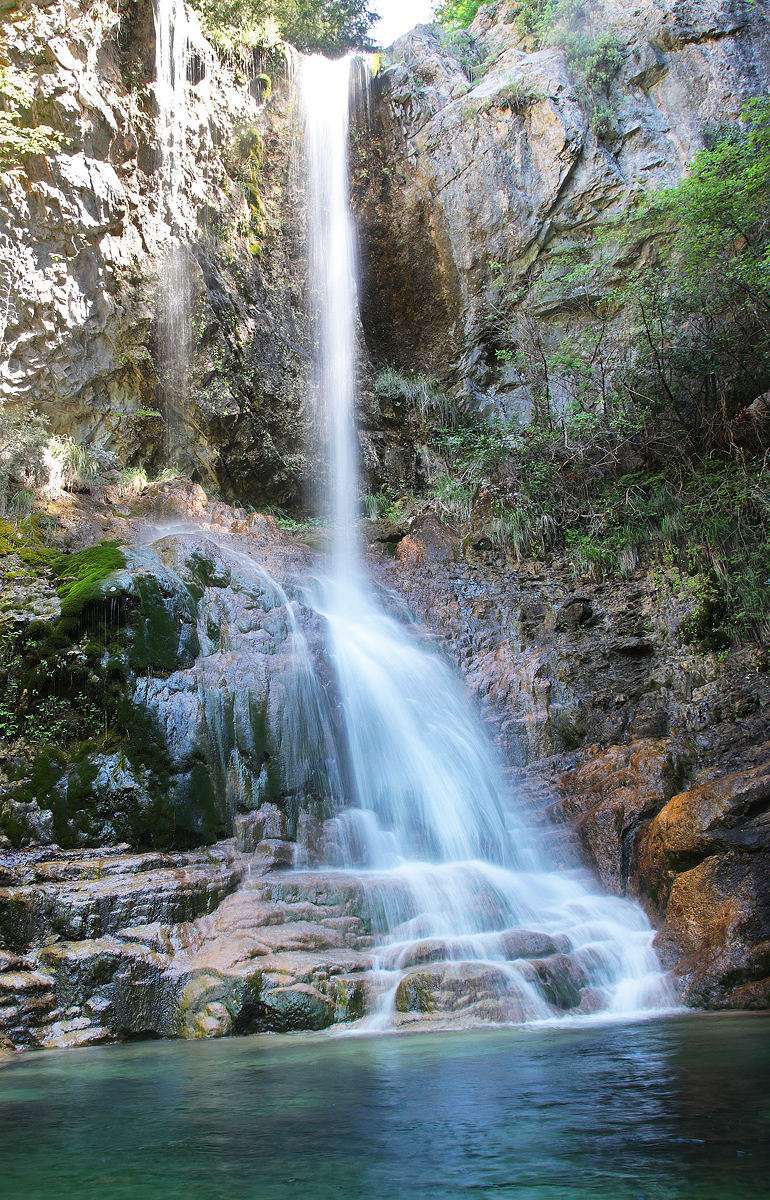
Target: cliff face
[[84, 234], [487, 163]]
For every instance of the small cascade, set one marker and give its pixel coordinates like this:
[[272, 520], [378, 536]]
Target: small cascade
[[448, 864]]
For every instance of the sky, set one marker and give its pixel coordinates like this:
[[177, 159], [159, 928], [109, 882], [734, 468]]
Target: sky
[[399, 16]]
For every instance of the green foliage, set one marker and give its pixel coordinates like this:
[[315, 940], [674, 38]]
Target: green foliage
[[23, 436], [476, 447], [21, 134], [388, 504], [28, 535], [453, 497], [65, 689], [703, 304], [720, 210], [517, 96], [331, 27], [420, 395], [78, 463], [457, 14], [598, 59], [541, 19]]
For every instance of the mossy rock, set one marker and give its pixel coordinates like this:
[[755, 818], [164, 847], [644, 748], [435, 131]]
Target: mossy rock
[[416, 992], [82, 575], [162, 620]]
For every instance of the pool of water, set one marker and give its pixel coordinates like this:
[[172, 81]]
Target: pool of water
[[676, 1107]]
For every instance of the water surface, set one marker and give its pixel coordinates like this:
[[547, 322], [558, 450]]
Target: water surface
[[675, 1107]]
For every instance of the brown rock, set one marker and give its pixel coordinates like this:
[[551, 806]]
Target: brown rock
[[429, 540], [717, 932], [719, 815]]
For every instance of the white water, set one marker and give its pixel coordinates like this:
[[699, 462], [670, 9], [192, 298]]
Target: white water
[[175, 293], [170, 81], [431, 819]]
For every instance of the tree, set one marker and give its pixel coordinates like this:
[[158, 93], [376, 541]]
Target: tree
[[331, 27], [703, 301]]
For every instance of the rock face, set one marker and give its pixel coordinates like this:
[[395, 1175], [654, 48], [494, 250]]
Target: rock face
[[216, 692], [107, 946], [559, 663], [85, 233], [487, 161], [704, 864]]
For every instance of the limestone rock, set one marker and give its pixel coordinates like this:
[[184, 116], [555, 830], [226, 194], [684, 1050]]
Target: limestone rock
[[84, 247]]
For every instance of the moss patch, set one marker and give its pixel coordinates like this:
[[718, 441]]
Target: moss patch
[[82, 574], [161, 638]]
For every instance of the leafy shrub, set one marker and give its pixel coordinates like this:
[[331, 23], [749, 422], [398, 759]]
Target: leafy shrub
[[21, 135], [329, 27], [457, 14]]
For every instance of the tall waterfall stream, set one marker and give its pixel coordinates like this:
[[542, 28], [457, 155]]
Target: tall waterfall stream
[[458, 876], [466, 905]]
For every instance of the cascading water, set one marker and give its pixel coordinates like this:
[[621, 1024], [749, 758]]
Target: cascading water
[[449, 865], [175, 294]]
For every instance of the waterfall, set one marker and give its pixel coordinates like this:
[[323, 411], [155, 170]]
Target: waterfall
[[175, 292], [448, 858]]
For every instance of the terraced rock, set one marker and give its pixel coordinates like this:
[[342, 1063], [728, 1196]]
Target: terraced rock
[[106, 945]]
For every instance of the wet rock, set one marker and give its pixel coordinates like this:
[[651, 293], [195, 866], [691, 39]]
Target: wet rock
[[383, 530], [272, 955], [297, 1007], [520, 943], [139, 890], [716, 936], [468, 991], [267, 822], [559, 978], [704, 865], [608, 796], [720, 816]]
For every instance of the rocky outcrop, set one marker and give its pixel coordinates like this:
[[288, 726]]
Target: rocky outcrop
[[560, 662], [704, 865], [489, 163], [211, 683], [85, 236], [109, 945]]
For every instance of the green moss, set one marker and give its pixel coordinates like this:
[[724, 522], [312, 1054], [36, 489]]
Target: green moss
[[159, 638], [27, 537], [82, 574], [195, 809]]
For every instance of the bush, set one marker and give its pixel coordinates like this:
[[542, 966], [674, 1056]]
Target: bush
[[331, 27], [422, 396]]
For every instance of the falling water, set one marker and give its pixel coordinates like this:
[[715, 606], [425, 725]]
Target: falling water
[[446, 859], [175, 293]]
